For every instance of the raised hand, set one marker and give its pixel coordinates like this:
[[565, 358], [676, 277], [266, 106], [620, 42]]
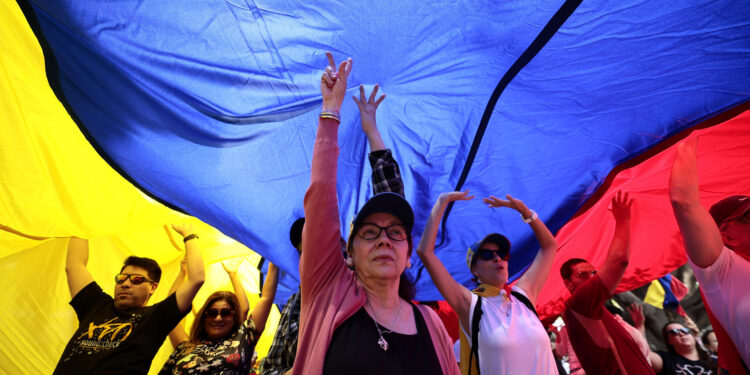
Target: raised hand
[[511, 202], [231, 266], [621, 206], [368, 107], [183, 229], [689, 323], [636, 313], [455, 196], [333, 83]]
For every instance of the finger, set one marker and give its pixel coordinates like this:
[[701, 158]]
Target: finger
[[362, 92], [356, 101], [382, 97], [331, 62], [345, 68], [327, 79], [331, 73], [495, 200], [372, 94]]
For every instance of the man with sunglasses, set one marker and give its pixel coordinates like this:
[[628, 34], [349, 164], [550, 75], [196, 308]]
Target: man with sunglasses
[[717, 243], [604, 343], [121, 335]]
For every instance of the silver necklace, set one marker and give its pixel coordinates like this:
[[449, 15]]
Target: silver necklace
[[381, 340]]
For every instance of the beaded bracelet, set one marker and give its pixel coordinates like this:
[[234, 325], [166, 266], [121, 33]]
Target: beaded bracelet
[[331, 115]]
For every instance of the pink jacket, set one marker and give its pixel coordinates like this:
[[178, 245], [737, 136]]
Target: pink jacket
[[329, 290]]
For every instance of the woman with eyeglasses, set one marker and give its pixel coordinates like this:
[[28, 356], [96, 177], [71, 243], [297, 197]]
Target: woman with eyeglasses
[[684, 355], [510, 339], [356, 315], [221, 340]]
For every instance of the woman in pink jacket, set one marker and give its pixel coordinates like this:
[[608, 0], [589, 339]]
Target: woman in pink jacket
[[357, 316]]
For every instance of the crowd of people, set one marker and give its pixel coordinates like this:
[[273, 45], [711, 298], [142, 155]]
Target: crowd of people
[[354, 310]]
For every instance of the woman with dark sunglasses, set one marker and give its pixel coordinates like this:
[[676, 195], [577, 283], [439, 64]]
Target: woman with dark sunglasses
[[684, 355], [511, 339], [221, 340]]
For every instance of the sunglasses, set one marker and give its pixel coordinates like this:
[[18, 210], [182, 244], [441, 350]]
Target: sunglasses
[[135, 279], [486, 254], [212, 313], [586, 274], [679, 331], [370, 231]]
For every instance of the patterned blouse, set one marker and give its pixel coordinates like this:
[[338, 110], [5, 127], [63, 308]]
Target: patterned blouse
[[228, 356]]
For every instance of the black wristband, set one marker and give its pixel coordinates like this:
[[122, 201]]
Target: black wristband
[[189, 237]]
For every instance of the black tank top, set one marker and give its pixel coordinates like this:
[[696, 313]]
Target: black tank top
[[354, 349]]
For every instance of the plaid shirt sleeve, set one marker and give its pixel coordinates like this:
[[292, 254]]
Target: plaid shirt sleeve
[[283, 349], [386, 176]]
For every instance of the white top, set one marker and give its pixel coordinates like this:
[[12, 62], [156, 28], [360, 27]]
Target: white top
[[511, 338], [725, 288]]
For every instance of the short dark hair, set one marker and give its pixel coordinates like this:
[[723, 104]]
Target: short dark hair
[[148, 264], [295, 232], [704, 337], [566, 270]]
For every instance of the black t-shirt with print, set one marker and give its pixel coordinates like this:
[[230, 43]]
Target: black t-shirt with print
[[675, 364], [113, 341]]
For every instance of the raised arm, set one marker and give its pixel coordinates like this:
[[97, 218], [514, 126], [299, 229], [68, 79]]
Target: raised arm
[[178, 333], [535, 277], [231, 269], [321, 233], [194, 268], [75, 265], [702, 238], [639, 322], [454, 293], [263, 307], [386, 176], [618, 256], [367, 109]]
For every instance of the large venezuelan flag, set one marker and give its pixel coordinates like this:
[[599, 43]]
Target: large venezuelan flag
[[211, 110]]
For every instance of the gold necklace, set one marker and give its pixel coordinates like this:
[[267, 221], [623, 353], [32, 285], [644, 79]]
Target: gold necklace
[[381, 340]]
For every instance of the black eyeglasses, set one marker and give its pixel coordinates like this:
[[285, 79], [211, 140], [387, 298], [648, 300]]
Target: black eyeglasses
[[135, 279], [370, 231], [212, 313], [486, 254], [679, 331]]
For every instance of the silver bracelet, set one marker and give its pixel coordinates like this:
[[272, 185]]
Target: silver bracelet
[[532, 218]]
